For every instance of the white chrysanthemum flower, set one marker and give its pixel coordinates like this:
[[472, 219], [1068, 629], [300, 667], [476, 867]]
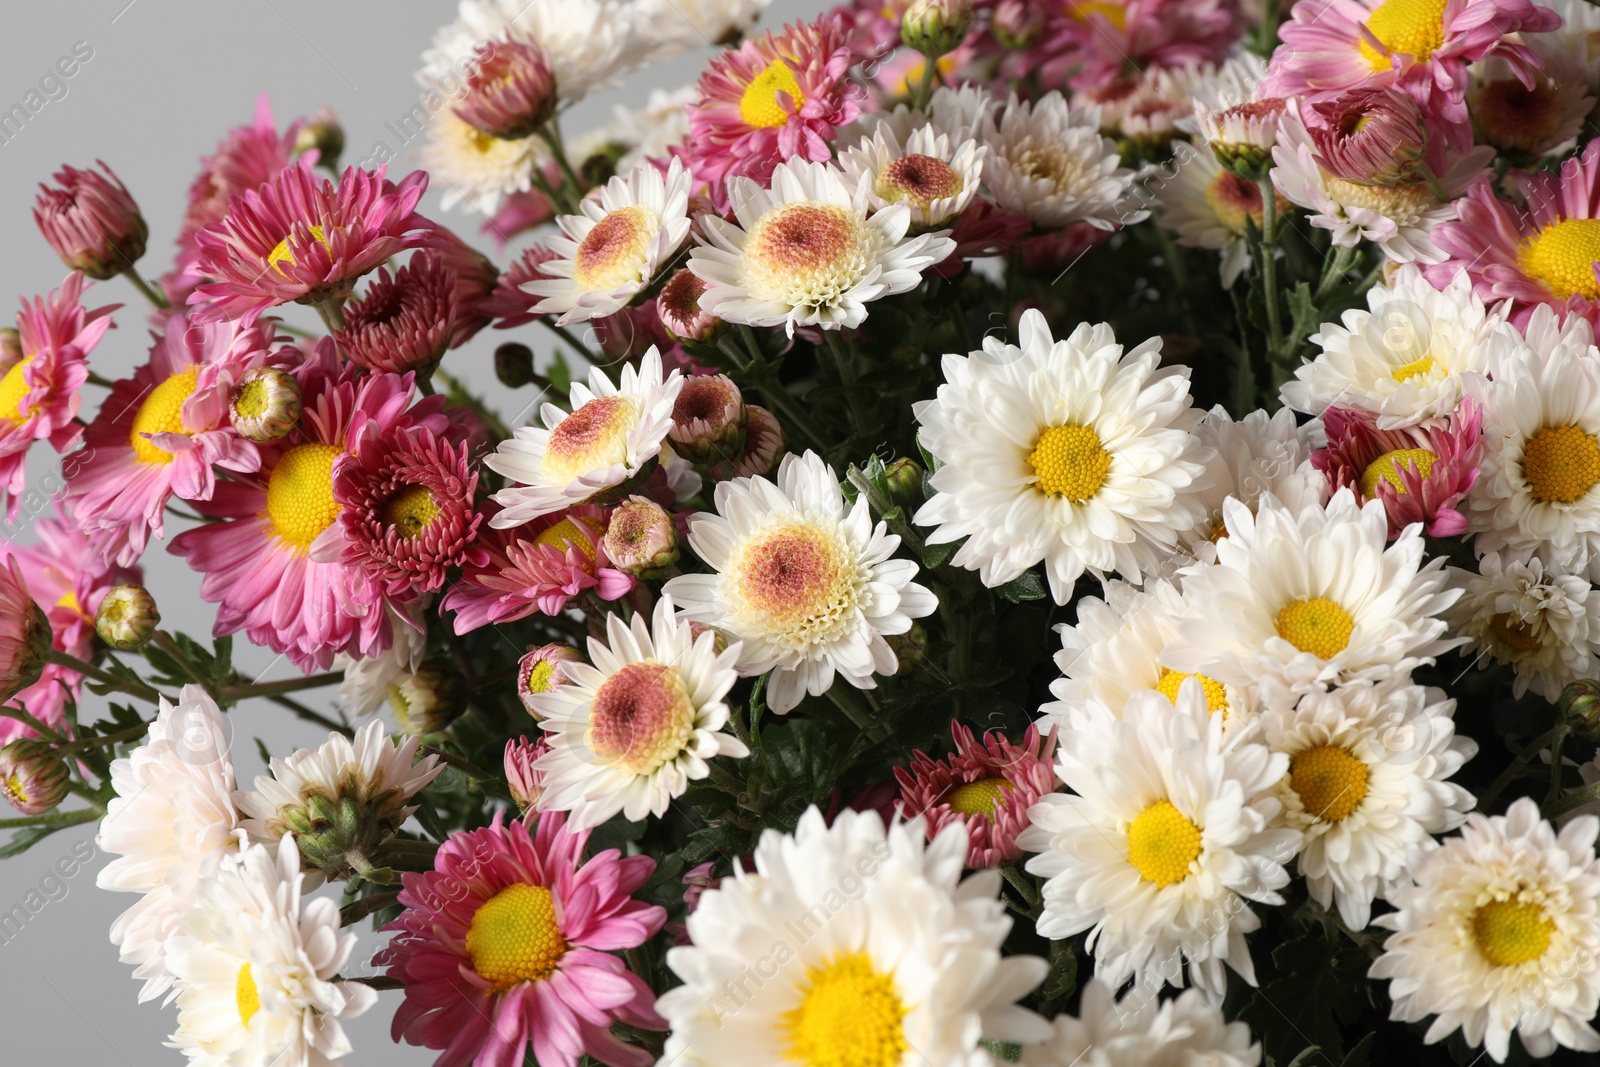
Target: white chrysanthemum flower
[[1408, 356], [870, 947], [1500, 932], [1070, 452], [1048, 163], [1399, 219], [586, 41], [665, 28], [1546, 626], [607, 255], [805, 252], [171, 824], [1114, 651], [475, 170], [369, 681], [1539, 486], [926, 171], [809, 586], [1166, 837], [1208, 207], [257, 973], [648, 132], [1366, 785], [959, 113], [1140, 1031], [612, 432], [1228, 111], [1309, 599], [631, 732]]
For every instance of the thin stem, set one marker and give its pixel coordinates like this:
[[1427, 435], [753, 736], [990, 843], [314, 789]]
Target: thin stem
[[844, 359], [308, 715], [1556, 743], [773, 392], [490, 783], [1270, 14], [332, 312], [281, 686], [150, 293], [1510, 774], [378, 981], [1011, 873], [95, 379], [165, 643], [1571, 802], [89, 670], [54, 819], [930, 70], [131, 733], [845, 701], [357, 910], [1269, 263], [578, 346], [1333, 272], [558, 148], [22, 716]]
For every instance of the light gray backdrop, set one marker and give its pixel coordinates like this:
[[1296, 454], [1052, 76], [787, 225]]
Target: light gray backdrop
[[166, 79]]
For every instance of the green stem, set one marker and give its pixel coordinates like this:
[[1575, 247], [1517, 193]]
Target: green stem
[[89, 670], [332, 312], [844, 699], [558, 148], [882, 506], [235, 693], [1556, 744], [308, 715], [165, 643], [357, 910], [490, 783], [578, 346], [930, 70], [1019, 881], [1335, 270], [844, 359], [1510, 774], [378, 981], [1270, 14], [773, 392], [131, 733], [22, 716], [406, 849], [104, 383], [54, 819], [150, 293], [1269, 264], [1571, 802]]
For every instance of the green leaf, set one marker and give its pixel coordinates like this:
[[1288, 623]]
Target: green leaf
[[1318, 987], [560, 374], [428, 817], [1029, 585], [938, 555], [23, 840], [1361, 1053]]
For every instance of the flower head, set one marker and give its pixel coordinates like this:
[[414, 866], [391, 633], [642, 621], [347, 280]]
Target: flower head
[[542, 668], [641, 537], [126, 617], [511, 94], [1048, 163], [91, 221], [33, 779], [678, 304], [1142, 1031], [932, 174], [24, 633], [1545, 624], [265, 405], [403, 322]]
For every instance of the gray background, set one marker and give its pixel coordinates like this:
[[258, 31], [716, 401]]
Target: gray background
[[167, 79]]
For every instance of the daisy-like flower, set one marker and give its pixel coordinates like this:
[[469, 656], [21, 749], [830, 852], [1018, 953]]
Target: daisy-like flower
[[1166, 838], [1500, 932], [805, 252], [884, 950], [679, 25], [24, 632], [1310, 598], [540, 566], [39, 388], [295, 238], [541, 668], [1087, 44], [1540, 486], [1545, 625], [476, 170], [510, 941], [171, 824], [257, 969], [164, 432], [809, 586], [1233, 118], [630, 733], [606, 256], [987, 785], [1048, 163], [772, 99], [403, 322], [933, 175], [1141, 1031], [1407, 357], [1208, 207], [608, 438], [585, 42], [369, 682], [1072, 452], [1529, 122], [1366, 785], [1420, 473]]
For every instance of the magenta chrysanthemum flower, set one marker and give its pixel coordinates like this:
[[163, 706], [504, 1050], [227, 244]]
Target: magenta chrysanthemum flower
[[91, 221], [1421, 46], [402, 322], [297, 238], [525, 783], [508, 943], [1089, 43], [1544, 253], [988, 785], [769, 100], [273, 564], [163, 432], [475, 277], [509, 303], [39, 390], [24, 635], [1419, 472], [511, 93], [538, 566], [406, 505]]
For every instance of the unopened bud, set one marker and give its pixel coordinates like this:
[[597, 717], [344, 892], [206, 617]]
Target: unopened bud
[[525, 783], [25, 636], [512, 92], [1580, 705], [322, 132], [904, 476], [678, 305], [909, 648], [708, 419], [91, 221], [32, 777], [719, 643], [513, 365], [540, 670], [640, 539], [936, 27], [764, 443], [1017, 24], [266, 405], [427, 701], [127, 617]]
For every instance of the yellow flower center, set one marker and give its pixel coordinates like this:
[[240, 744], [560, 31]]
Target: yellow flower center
[[514, 936], [1115, 13], [849, 1016], [1562, 256], [1561, 464], [1402, 203], [1387, 468], [1162, 843], [613, 252], [1515, 633], [760, 106], [252, 398], [246, 995], [1406, 27], [595, 435], [1329, 781], [568, 534], [14, 789], [1318, 626], [281, 254], [69, 599], [410, 510], [161, 412], [1509, 933], [1216, 692], [1414, 368], [1070, 462], [300, 502], [14, 389], [978, 798], [642, 717], [539, 677]]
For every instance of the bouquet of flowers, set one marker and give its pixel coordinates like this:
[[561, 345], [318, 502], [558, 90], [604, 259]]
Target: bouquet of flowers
[[1039, 532]]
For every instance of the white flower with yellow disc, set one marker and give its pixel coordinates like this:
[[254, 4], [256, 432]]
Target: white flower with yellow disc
[[1048, 163], [1545, 625], [932, 174]]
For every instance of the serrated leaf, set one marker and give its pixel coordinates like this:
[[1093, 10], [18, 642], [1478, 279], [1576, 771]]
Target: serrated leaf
[[1029, 585], [1315, 986], [560, 375]]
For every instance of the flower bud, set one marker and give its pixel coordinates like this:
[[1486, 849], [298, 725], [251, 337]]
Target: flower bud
[[1241, 137], [127, 617], [679, 307], [764, 443], [402, 322], [525, 783], [640, 539], [909, 648], [91, 221], [540, 670], [513, 365], [1371, 137], [904, 476], [323, 133], [719, 643], [266, 404], [708, 419], [427, 701], [1017, 24], [25, 635], [1580, 705], [32, 777], [936, 27], [512, 92]]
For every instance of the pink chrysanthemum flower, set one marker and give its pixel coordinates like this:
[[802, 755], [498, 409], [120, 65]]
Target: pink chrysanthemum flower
[[509, 303], [91, 221], [295, 238], [402, 322], [1544, 253], [406, 505], [1420, 472], [272, 565], [475, 277], [509, 942], [538, 566], [1089, 43], [39, 390], [988, 785], [164, 431], [525, 784], [769, 100], [1421, 46]]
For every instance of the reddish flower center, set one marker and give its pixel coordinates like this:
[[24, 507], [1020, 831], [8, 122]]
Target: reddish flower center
[[919, 179], [642, 717], [596, 435], [613, 253]]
